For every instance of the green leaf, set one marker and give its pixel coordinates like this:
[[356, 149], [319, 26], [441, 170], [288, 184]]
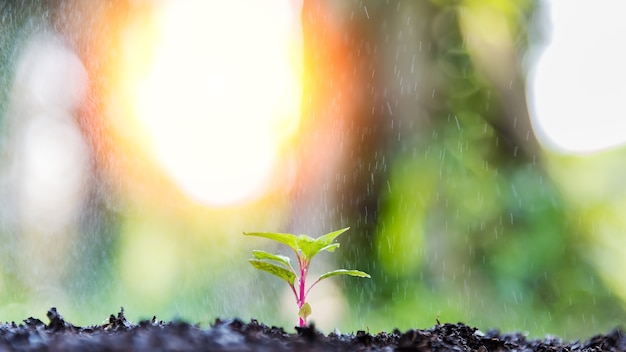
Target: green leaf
[[284, 238], [274, 269], [310, 246], [305, 311], [276, 257], [330, 247], [330, 237], [357, 273]]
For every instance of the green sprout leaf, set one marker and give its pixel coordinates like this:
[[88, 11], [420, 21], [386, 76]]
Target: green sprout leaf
[[305, 311], [311, 246], [284, 238], [330, 247], [275, 257], [357, 273], [330, 237], [308, 247], [274, 269]]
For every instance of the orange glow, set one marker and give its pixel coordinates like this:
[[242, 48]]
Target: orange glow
[[214, 90]]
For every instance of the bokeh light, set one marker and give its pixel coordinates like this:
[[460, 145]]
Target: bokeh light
[[46, 173], [578, 85], [215, 101]]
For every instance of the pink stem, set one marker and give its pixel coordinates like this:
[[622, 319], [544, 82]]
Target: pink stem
[[302, 298]]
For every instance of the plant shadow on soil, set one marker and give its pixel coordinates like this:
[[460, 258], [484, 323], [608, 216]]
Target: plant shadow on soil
[[119, 334]]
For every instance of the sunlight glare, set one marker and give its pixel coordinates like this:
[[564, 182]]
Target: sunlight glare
[[578, 85], [222, 95]]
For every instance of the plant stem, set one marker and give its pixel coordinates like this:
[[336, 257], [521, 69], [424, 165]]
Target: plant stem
[[302, 322], [302, 298]]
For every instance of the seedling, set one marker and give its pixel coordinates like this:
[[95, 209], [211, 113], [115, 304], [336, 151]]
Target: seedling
[[305, 248]]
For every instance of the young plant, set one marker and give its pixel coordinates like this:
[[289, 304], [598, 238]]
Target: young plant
[[305, 248]]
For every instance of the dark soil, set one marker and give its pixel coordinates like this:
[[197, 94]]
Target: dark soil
[[234, 335]]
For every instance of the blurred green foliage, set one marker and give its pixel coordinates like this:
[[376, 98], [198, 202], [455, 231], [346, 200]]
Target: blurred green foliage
[[473, 226]]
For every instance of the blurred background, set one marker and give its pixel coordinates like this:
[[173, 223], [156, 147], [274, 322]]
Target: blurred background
[[474, 147]]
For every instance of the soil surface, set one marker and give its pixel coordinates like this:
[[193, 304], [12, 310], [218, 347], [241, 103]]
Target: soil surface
[[234, 335]]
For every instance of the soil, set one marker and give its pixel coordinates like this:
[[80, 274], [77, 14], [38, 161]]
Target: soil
[[234, 335]]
